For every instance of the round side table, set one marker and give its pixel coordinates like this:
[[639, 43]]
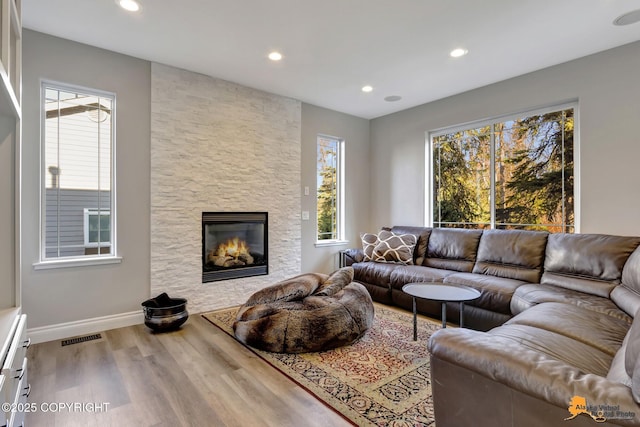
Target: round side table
[[442, 293]]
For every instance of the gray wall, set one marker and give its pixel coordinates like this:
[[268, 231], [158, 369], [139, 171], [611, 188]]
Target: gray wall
[[355, 132], [71, 203], [606, 86], [69, 294]]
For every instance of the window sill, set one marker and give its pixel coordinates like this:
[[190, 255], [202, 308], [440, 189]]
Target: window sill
[[322, 243], [76, 262]]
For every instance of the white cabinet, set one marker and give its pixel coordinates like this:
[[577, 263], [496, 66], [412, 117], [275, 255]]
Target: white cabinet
[[10, 151], [14, 387]]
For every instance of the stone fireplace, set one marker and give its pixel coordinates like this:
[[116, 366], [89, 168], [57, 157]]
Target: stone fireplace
[[234, 245], [220, 147]]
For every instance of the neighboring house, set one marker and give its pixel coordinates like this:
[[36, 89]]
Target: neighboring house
[[80, 230]]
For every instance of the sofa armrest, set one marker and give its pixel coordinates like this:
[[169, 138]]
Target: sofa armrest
[[351, 256], [528, 371]]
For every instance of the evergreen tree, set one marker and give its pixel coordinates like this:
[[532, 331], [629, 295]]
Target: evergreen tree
[[461, 181], [327, 209], [327, 193], [541, 186]]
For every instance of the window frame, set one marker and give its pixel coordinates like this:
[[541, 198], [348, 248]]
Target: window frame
[[88, 212], [88, 259], [340, 196], [430, 135]]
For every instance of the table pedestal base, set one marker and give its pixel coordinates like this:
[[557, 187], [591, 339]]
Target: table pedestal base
[[444, 317]]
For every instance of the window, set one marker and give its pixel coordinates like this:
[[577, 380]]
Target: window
[[513, 173], [77, 175], [330, 184], [97, 228]]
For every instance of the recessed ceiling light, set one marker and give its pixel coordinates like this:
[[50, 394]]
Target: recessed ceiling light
[[393, 98], [275, 56], [130, 5], [367, 88], [628, 18], [457, 53]]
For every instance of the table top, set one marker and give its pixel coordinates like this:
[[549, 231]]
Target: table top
[[441, 292]]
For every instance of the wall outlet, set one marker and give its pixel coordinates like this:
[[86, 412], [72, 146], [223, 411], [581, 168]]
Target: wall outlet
[[306, 190], [305, 215]]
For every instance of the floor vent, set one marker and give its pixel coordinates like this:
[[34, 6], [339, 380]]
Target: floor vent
[[78, 340]]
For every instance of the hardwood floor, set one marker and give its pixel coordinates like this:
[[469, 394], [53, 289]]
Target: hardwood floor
[[196, 376]]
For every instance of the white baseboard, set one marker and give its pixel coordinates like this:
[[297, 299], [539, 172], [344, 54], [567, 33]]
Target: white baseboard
[[83, 327]]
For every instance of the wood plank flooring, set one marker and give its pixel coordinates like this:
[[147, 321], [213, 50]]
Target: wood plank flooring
[[196, 376]]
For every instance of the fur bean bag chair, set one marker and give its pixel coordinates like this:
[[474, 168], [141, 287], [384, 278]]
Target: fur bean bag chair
[[310, 312]]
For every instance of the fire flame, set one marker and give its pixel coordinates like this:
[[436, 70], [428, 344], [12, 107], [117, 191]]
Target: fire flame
[[233, 248]]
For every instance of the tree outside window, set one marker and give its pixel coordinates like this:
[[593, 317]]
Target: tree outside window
[[510, 174], [328, 182]]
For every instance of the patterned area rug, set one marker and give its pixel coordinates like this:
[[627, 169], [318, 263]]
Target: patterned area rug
[[383, 379]]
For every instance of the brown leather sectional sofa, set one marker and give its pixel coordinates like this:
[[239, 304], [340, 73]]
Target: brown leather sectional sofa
[[553, 332]]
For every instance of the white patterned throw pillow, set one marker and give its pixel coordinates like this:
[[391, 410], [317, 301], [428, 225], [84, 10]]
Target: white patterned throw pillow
[[394, 248], [369, 242]]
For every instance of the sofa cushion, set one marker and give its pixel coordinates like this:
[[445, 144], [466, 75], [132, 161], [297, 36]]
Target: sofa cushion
[[477, 318], [513, 254], [631, 272], [495, 292], [452, 249], [528, 295], [626, 365], [377, 273], [590, 263], [627, 294], [352, 255], [558, 346], [396, 248], [592, 328], [632, 351], [416, 274], [635, 382], [422, 233], [617, 370]]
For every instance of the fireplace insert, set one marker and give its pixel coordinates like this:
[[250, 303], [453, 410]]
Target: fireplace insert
[[234, 245]]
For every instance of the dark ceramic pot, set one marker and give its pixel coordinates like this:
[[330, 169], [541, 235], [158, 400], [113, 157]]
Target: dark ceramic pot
[[164, 314]]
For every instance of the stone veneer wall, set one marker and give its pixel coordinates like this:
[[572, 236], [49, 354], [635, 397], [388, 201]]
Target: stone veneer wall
[[219, 146]]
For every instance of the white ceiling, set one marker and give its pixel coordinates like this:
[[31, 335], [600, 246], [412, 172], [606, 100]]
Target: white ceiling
[[332, 48]]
